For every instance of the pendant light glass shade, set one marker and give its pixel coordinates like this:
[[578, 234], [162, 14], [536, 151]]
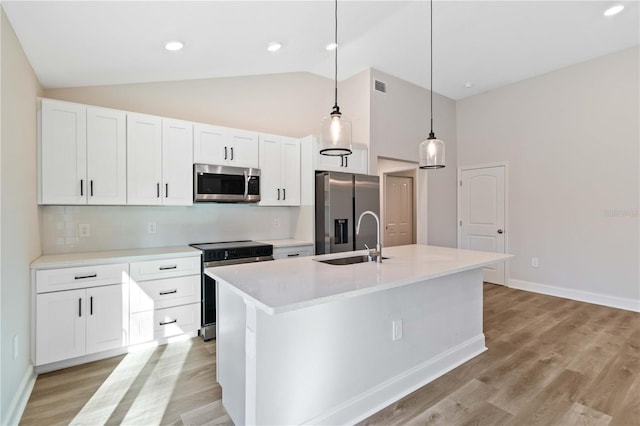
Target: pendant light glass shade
[[432, 149], [432, 153], [335, 133]]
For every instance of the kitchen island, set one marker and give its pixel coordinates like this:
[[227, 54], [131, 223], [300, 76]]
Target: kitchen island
[[304, 342]]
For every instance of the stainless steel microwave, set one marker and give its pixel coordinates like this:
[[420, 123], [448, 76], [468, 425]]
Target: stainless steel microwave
[[225, 184]]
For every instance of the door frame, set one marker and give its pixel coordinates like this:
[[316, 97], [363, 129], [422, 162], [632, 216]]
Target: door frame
[[505, 164]]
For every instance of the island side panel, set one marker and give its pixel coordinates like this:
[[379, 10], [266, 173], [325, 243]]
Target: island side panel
[[230, 350], [336, 363]]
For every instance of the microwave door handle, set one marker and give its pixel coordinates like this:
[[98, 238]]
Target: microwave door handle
[[246, 184]]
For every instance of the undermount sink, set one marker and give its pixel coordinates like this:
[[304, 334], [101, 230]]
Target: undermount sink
[[348, 260]]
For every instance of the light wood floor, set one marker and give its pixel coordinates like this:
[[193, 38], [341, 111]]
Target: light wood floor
[[550, 361]]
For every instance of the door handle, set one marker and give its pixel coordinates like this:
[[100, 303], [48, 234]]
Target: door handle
[[158, 190], [346, 161], [164, 268], [80, 307], [278, 194], [341, 161], [91, 187], [500, 231], [284, 193], [231, 153], [166, 190], [91, 305], [81, 187], [225, 152], [164, 293], [169, 322]]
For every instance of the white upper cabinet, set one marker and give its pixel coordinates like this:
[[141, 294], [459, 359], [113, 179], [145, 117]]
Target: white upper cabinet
[[357, 162], [82, 154], [177, 169], [225, 146], [279, 171], [144, 159], [106, 156], [159, 168]]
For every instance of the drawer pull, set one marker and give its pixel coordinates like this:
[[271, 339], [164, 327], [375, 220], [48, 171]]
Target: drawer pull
[[82, 277], [162, 293], [293, 254], [80, 307], [164, 268], [169, 322]]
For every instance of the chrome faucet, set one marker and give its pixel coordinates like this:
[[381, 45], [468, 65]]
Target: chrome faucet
[[375, 255]]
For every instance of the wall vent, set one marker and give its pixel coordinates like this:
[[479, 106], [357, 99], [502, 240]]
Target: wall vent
[[380, 86]]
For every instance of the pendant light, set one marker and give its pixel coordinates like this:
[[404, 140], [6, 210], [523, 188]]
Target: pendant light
[[431, 149], [335, 136]]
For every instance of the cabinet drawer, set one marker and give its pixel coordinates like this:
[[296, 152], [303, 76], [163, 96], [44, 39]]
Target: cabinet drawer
[[159, 294], [150, 325], [81, 277], [292, 252], [165, 268]]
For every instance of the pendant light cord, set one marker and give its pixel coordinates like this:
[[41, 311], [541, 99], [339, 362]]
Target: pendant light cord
[[431, 62], [335, 105]]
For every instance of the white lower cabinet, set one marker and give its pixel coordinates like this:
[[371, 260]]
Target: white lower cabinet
[[79, 322], [165, 298], [292, 252]]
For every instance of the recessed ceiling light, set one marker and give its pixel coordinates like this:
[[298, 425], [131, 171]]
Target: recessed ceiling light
[[173, 45], [274, 46], [331, 46], [468, 85], [614, 10]]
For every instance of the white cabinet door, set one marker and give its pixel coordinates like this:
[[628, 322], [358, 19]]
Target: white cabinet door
[[270, 170], [356, 162], [106, 156], [63, 153], [177, 168], [60, 325], [279, 171], [224, 146], [144, 159], [291, 171], [107, 324], [211, 144], [244, 149]]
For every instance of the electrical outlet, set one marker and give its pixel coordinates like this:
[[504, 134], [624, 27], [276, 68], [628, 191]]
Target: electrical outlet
[[151, 228], [276, 223], [534, 262], [84, 230], [15, 346], [396, 332]]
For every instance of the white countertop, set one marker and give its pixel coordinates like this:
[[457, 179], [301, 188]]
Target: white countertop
[[68, 260], [277, 287], [289, 242]]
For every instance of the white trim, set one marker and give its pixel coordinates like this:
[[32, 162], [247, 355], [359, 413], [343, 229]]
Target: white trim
[[19, 402], [507, 228], [579, 295], [373, 400]]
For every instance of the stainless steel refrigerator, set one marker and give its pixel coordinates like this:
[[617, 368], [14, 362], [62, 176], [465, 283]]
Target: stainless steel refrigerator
[[340, 199]]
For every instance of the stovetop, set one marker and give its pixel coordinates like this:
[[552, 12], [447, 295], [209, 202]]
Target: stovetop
[[231, 250]]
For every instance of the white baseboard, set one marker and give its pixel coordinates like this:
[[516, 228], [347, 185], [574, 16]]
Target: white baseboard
[[390, 391], [17, 406], [579, 295]]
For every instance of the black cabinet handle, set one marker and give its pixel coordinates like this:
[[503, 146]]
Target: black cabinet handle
[[284, 193], [91, 305], [225, 152], [293, 254], [341, 161], [158, 190], [168, 322], [164, 268], [346, 161], [91, 188], [80, 307], [231, 153], [81, 187], [163, 293], [82, 277], [278, 194], [166, 190]]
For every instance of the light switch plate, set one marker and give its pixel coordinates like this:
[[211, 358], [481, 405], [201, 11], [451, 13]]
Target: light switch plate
[[84, 230]]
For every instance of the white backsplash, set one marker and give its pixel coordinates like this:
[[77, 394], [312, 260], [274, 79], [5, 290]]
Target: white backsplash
[[126, 227]]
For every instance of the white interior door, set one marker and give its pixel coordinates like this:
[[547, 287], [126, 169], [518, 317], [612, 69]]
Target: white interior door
[[481, 215], [398, 215]]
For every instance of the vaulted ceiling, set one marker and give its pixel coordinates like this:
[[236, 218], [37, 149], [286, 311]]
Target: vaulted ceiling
[[486, 43]]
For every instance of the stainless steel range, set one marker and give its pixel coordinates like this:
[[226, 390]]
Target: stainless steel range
[[221, 254]]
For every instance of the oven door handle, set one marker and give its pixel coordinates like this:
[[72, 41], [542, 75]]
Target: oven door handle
[[246, 184]]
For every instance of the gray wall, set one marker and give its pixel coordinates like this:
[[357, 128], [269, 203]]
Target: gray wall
[[571, 138], [399, 122], [20, 241]]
